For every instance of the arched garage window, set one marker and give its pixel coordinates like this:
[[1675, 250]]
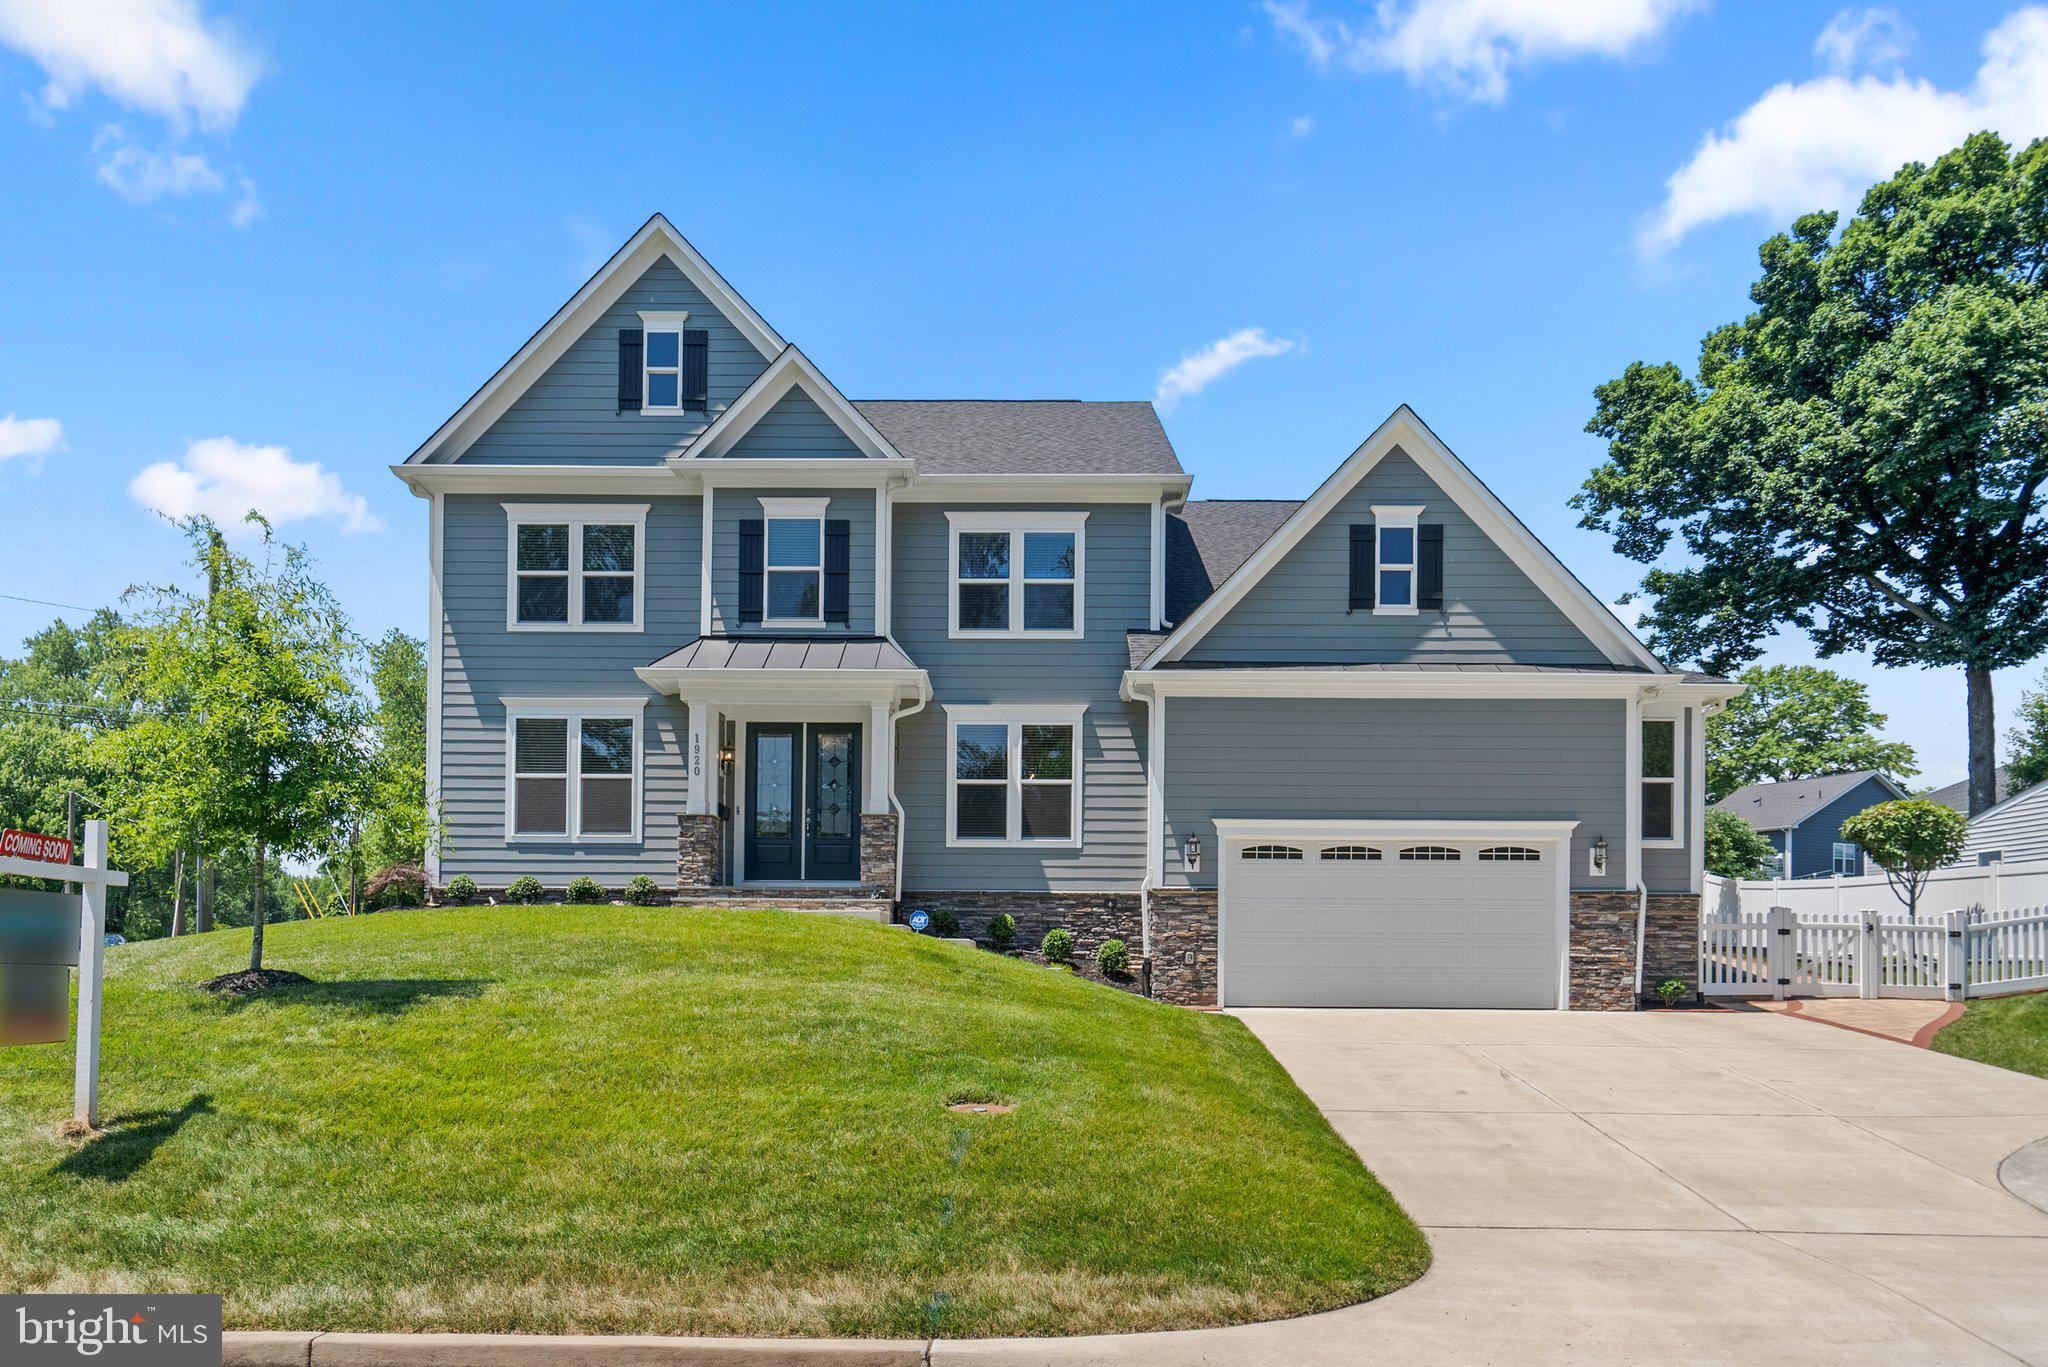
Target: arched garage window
[[1509, 854], [1443, 854], [1350, 852], [1270, 852]]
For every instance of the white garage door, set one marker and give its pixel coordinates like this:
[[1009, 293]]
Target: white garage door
[[1414, 922]]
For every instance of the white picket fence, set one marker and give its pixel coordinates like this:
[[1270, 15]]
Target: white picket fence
[[1783, 953], [1992, 888]]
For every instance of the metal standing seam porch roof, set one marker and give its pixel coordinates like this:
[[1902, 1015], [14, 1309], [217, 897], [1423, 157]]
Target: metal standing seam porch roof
[[870, 668]]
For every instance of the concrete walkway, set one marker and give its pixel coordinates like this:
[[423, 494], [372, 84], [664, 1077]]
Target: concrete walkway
[[1683, 1187], [1908, 1020], [1696, 1187]]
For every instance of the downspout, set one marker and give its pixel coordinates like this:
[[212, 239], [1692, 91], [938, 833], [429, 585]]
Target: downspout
[[894, 804], [1642, 929]]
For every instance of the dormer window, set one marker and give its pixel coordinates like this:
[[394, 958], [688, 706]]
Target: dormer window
[[1395, 559], [673, 365]]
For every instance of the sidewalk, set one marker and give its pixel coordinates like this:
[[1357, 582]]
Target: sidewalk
[[1907, 1020]]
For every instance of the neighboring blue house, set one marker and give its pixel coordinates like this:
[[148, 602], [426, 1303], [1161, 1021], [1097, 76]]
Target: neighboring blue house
[[698, 616], [1802, 818]]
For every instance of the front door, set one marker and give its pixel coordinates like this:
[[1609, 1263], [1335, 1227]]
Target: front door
[[803, 803]]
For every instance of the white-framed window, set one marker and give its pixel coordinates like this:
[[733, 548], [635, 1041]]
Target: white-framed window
[[573, 769], [1014, 776], [1274, 852], [1663, 762], [1355, 854], [1431, 854], [1774, 867], [661, 364], [1510, 854], [1020, 576], [1395, 557], [1848, 859], [793, 561], [574, 567]]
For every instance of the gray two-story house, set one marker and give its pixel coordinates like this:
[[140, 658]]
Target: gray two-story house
[[698, 616]]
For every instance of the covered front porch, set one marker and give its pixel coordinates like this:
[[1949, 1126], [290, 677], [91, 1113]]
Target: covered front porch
[[790, 758]]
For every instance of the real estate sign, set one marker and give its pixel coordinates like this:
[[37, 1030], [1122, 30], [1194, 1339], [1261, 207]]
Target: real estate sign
[[38, 948]]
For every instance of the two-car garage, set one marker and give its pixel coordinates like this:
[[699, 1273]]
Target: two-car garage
[[1386, 914]]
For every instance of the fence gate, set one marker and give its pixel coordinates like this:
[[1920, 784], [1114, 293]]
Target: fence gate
[[1781, 954]]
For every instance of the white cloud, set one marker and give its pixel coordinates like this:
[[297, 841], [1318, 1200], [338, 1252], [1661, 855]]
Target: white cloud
[[32, 438], [1467, 47], [247, 208], [224, 479], [161, 56], [1301, 125], [1816, 144], [1200, 369], [1856, 39], [139, 175]]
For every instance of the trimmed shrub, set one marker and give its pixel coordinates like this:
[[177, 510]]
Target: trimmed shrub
[[584, 890], [1112, 960], [1671, 989], [945, 925], [1002, 931], [1058, 945], [525, 889], [642, 891], [461, 889], [399, 885]]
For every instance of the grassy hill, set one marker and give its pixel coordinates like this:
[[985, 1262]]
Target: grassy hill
[[651, 1121]]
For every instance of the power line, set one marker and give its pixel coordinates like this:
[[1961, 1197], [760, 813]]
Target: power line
[[46, 603]]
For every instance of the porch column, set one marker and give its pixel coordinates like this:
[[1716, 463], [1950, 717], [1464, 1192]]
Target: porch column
[[881, 760], [700, 755]]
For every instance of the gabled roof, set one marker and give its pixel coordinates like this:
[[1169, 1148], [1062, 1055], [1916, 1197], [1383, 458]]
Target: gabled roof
[[1957, 795], [1782, 805], [1025, 437], [789, 370], [657, 238], [1407, 431], [1209, 538]]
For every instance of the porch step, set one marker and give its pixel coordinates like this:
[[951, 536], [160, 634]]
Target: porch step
[[856, 905]]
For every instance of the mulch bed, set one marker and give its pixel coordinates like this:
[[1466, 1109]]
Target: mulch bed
[[249, 982]]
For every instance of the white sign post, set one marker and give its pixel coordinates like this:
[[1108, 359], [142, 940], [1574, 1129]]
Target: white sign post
[[93, 878]]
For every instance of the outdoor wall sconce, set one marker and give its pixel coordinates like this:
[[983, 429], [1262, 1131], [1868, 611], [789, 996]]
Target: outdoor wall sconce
[[1191, 854], [725, 758], [1597, 857]]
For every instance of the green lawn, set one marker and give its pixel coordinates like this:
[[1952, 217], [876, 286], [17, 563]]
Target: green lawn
[[2011, 1032], [611, 1120]]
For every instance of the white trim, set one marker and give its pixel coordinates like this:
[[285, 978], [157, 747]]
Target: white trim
[[789, 370], [656, 239], [1158, 564], [658, 320], [1017, 525], [1556, 834], [885, 562], [1632, 793], [1155, 791], [795, 509], [436, 538], [1675, 718], [1696, 794], [1404, 518], [736, 689], [576, 517], [612, 481], [704, 565], [1416, 683], [651, 323], [573, 712], [1407, 431], [1013, 717], [811, 510]]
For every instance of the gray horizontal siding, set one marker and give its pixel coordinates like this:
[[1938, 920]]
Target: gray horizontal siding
[[483, 664], [795, 428], [569, 416], [1396, 759], [1671, 870], [1118, 598], [1300, 611], [730, 507], [2015, 832]]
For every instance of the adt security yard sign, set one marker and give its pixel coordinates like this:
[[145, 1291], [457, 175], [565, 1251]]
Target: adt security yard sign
[[919, 920], [41, 935]]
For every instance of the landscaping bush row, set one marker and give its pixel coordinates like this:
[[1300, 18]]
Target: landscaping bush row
[[640, 891]]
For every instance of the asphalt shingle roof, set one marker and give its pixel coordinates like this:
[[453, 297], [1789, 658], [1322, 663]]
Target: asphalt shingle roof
[[1208, 539], [1025, 436], [1776, 806], [1957, 795]]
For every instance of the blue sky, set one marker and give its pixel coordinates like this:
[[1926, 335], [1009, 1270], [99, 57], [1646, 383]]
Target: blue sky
[[265, 253]]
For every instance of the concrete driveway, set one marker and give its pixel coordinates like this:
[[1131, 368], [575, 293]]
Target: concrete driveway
[[1657, 1188]]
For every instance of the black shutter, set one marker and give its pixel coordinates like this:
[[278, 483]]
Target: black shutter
[[1361, 566], [1429, 568], [838, 571], [696, 370], [751, 561], [631, 345]]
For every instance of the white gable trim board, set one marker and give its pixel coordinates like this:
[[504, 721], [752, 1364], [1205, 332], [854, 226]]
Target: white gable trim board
[[656, 239], [1405, 430], [789, 370]]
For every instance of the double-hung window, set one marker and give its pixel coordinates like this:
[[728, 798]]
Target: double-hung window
[[573, 771], [1017, 575], [574, 567], [1660, 772], [1394, 559], [793, 556], [673, 370], [1848, 860], [1015, 776]]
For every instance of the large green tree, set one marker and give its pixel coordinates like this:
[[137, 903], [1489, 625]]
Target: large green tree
[[399, 825], [1799, 721], [2027, 753], [1863, 456], [250, 733]]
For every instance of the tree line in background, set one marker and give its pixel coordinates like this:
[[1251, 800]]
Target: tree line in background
[[229, 729]]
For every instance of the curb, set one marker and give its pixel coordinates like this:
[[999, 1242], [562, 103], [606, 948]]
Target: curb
[[267, 1348]]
